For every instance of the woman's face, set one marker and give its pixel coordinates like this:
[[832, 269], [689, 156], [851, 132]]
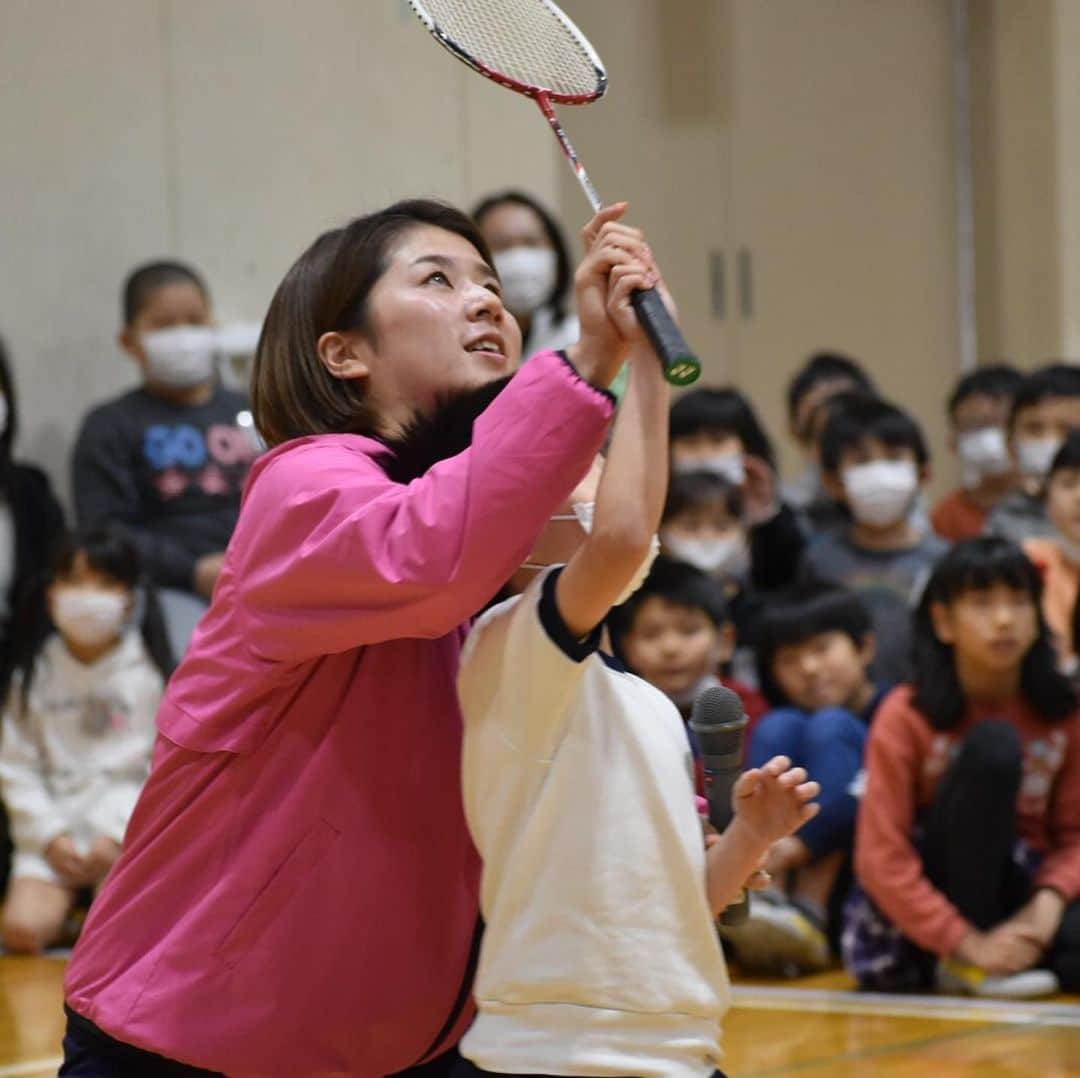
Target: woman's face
[[436, 325]]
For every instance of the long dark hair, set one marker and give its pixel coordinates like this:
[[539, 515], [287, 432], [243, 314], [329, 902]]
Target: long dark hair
[[109, 550], [11, 428], [970, 565], [327, 289]]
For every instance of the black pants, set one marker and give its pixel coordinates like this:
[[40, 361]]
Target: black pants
[[91, 1053], [465, 1069], [969, 833]]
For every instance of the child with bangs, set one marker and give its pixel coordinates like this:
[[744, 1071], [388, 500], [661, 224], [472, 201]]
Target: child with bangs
[[967, 848], [815, 648]]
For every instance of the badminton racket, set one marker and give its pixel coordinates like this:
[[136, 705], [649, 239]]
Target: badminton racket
[[532, 48]]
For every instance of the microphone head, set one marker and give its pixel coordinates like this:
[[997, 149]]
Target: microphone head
[[717, 706]]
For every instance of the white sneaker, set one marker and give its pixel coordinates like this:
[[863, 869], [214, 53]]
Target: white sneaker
[[778, 938], [959, 979]]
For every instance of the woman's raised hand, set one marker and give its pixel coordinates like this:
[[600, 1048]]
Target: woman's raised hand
[[617, 263]]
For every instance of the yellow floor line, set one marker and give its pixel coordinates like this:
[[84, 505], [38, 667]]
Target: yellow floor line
[[31, 1066]]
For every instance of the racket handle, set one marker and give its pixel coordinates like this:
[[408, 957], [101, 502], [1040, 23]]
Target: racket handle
[[681, 366]]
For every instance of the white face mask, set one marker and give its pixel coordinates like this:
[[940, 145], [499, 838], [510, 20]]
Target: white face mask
[[528, 278], [1035, 455], [880, 493], [1070, 548], [182, 356], [89, 616], [729, 555], [983, 453], [584, 513], [729, 466]]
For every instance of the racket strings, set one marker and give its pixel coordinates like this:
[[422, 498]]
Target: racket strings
[[527, 41]]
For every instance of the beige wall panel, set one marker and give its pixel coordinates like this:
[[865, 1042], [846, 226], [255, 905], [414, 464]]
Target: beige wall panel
[[844, 197], [658, 139], [83, 165]]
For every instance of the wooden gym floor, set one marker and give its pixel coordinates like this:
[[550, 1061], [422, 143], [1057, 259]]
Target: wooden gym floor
[[815, 1028]]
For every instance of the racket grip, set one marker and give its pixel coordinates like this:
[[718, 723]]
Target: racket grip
[[737, 913], [681, 366]]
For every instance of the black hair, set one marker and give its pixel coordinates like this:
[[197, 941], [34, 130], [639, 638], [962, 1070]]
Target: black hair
[[973, 565], [687, 490], [110, 550], [858, 417], [1053, 380], [825, 367], [564, 271], [7, 436], [807, 609], [677, 583], [327, 289], [722, 411], [143, 281], [996, 380], [1068, 456]]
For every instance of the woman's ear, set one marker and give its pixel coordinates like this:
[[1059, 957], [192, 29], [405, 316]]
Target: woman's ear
[[942, 621], [346, 357]]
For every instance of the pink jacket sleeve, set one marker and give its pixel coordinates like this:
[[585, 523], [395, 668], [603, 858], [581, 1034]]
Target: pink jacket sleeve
[[1061, 867], [330, 554], [887, 864]]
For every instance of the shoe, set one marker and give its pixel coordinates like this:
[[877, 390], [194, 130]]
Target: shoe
[[956, 978], [778, 938]]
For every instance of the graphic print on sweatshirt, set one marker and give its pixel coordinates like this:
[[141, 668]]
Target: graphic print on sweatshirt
[[184, 458]]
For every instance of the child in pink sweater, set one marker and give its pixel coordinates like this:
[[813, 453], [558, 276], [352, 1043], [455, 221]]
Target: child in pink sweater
[[968, 840]]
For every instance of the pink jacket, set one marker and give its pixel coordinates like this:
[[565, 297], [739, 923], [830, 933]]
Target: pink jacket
[[298, 892]]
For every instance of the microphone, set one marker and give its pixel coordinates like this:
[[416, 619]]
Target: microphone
[[719, 723]]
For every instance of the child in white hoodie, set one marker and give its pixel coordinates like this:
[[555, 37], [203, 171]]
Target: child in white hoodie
[[78, 729], [600, 954]]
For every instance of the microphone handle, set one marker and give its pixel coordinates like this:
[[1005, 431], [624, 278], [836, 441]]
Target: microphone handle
[[721, 774]]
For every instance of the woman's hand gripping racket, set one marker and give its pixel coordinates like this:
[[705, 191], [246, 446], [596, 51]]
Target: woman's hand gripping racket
[[531, 47]]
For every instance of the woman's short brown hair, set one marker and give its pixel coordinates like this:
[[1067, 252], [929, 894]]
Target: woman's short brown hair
[[327, 290]]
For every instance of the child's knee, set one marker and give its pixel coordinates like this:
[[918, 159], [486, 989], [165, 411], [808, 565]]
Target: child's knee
[[26, 935], [833, 725], [993, 748], [779, 733]]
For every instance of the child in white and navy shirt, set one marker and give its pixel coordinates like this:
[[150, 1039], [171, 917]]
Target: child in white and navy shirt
[[599, 897]]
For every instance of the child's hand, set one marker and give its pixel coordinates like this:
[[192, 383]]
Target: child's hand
[[771, 802], [101, 858], [70, 865], [1009, 948], [760, 499]]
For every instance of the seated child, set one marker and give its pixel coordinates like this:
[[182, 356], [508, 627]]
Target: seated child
[[676, 633], [718, 431], [169, 458], [600, 954], [967, 848], [824, 375], [815, 647], [875, 461], [978, 416], [1058, 559], [1045, 407], [78, 729]]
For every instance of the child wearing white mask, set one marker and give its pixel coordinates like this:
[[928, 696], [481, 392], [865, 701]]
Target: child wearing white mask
[[1058, 558], [874, 459], [1046, 406], [978, 416], [533, 263], [168, 459], [78, 729]]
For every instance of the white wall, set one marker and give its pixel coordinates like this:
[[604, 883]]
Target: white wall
[[224, 132]]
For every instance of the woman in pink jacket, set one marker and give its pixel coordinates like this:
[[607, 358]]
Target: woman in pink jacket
[[297, 896]]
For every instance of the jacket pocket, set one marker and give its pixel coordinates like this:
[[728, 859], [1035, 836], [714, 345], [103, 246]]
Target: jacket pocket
[[286, 882]]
